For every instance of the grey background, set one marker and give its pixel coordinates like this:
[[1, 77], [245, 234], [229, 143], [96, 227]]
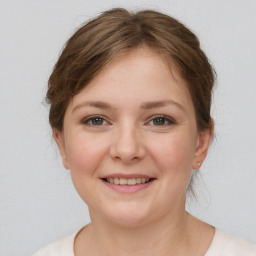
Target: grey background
[[37, 200]]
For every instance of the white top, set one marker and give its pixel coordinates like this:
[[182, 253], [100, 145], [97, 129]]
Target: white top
[[222, 245]]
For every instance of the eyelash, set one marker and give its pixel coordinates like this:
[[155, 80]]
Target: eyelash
[[170, 121], [91, 118]]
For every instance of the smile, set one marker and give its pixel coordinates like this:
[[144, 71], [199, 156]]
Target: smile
[[126, 184], [129, 182]]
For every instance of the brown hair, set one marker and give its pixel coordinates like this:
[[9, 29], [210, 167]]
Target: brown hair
[[116, 31]]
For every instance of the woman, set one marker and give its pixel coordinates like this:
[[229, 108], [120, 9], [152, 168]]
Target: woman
[[130, 104]]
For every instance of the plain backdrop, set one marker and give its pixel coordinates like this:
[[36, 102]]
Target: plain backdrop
[[37, 200]]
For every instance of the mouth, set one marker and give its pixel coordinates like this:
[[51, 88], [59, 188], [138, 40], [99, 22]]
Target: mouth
[[127, 181]]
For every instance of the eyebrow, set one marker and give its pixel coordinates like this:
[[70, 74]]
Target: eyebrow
[[161, 103], [96, 104], [144, 105]]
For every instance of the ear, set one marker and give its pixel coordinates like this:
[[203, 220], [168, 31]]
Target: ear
[[202, 146], [59, 138]]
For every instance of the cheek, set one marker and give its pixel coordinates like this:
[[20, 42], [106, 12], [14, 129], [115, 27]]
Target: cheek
[[85, 152], [174, 153]]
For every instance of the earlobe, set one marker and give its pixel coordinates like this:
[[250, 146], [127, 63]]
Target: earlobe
[[203, 144], [58, 137]]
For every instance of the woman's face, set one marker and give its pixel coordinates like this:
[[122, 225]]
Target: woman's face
[[134, 123]]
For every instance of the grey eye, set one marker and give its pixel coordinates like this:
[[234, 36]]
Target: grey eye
[[162, 120], [159, 121], [94, 121], [97, 121]]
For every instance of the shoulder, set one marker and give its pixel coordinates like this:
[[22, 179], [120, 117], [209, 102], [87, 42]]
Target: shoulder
[[60, 247], [229, 245]]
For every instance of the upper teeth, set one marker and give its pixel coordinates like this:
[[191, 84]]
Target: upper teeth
[[123, 181]]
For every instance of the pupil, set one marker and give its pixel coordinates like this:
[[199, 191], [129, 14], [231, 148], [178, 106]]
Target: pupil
[[97, 121], [159, 121]]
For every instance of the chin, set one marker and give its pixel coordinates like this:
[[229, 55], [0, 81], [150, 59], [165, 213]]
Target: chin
[[127, 214]]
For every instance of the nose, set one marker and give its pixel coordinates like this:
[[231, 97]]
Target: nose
[[127, 145]]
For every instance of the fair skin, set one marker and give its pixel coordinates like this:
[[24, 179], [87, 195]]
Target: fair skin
[[135, 120]]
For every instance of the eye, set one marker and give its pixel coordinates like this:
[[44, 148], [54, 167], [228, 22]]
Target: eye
[[94, 121], [161, 120]]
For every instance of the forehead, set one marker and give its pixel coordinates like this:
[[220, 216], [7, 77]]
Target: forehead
[[143, 73]]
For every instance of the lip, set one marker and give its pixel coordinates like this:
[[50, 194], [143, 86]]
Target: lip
[[126, 176], [127, 189]]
